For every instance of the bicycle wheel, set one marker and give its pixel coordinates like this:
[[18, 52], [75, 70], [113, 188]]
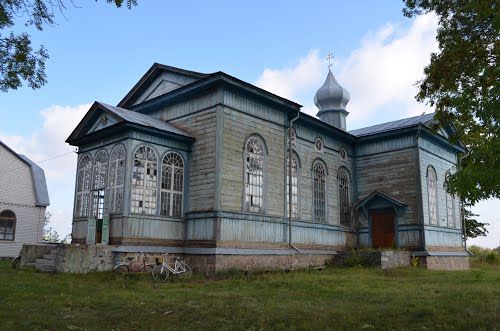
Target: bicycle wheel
[[159, 273], [147, 268], [16, 262], [186, 274], [121, 271]]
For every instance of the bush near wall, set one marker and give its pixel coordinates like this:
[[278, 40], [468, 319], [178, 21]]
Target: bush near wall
[[484, 255]]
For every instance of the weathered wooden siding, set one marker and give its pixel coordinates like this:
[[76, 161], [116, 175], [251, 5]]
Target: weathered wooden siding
[[442, 237], [307, 155], [79, 230], [390, 167], [137, 226], [238, 126], [442, 160]]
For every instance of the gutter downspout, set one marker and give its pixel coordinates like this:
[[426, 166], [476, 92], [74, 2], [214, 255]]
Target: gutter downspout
[[419, 181], [289, 163]]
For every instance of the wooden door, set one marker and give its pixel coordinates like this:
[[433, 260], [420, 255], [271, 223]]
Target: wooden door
[[383, 229]]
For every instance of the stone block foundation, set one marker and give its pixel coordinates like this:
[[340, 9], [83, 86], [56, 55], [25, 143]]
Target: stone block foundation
[[445, 262]]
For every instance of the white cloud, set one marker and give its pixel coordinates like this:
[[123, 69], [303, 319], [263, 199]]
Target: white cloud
[[291, 82], [46, 143], [380, 75]]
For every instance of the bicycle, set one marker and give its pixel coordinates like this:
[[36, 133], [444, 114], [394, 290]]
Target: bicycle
[[16, 262], [162, 271], [121, 269]]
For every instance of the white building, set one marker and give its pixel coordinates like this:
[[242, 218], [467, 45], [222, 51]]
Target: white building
[[23, 199]]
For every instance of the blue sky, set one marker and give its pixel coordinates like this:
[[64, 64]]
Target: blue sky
[[98, 52]]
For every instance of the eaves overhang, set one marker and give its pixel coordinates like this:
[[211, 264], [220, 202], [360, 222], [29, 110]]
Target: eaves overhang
[[218, 79], [125, 127]]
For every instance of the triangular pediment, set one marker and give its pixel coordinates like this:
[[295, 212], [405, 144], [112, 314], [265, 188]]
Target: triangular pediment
[[102, 121], [158, 80]]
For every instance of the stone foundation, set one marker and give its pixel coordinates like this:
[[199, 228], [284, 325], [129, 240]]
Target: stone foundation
[[373, 258], [445, 262], [83, 259], [210, 264]]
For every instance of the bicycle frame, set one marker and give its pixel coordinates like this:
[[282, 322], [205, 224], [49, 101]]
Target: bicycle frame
[[177, 269]]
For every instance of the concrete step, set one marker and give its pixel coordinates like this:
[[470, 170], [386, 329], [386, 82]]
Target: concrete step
[[30, 264], [46, 268], [49, 256], [45, 262]]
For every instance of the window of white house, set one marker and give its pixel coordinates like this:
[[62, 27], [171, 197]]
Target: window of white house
[[344, 197], [254, 175], [100, 180], [294, 186], [172, 185], [318, 145], [450, 209], [116, 179], [7, 225], [83, 183], [144, 181], [319, 191], [432, 195]]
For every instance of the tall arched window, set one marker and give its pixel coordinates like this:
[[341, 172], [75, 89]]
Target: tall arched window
[[319, 191], [344, 197], [100, 179], [172, 185], [83, 182], [116, 178], [7, 225], [144, 180], [432, 195], [294, 185], [254, 175]]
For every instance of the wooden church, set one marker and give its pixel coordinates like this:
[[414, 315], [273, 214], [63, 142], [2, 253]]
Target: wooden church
[[232, 176]]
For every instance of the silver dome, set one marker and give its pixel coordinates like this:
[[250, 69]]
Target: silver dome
[[331, 96]]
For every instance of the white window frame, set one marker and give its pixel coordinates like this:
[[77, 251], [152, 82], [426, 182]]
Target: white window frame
[[319, 204], [176, 169], [254, 194], [145, 194]]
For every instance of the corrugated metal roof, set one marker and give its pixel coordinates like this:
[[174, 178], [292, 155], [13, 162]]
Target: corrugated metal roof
[[394, 125], [142, 119], [41, 192]]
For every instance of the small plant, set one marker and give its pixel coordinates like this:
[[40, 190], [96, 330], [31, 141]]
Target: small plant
[[414, 261], [478, 274]]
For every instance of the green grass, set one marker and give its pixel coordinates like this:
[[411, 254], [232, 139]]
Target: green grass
[[335, 298]]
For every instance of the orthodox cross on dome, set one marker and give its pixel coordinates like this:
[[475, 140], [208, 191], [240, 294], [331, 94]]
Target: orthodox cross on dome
[[330, 60]]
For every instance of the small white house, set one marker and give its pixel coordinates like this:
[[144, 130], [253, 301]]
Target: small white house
[[23, 199]]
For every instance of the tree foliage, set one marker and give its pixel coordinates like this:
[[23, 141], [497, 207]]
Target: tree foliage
[[462, 83], [18, 60], [473, 227]]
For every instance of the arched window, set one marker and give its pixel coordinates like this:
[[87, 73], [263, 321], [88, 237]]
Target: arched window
[[254, 175], [116, 178], [100, 179], [83, 182], [144, 181], [432, 195], [344, 197], [172, 185], [7, 225], [319, 191], [294, 185]]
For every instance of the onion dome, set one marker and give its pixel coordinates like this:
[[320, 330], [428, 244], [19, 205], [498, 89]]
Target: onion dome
[[331, 96]]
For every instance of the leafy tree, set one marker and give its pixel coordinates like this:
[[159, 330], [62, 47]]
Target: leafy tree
[[462, 83], [18, 60], [473, 227]]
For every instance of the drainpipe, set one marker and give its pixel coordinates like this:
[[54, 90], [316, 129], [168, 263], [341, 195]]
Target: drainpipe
[[290, 127], [419, 182]]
